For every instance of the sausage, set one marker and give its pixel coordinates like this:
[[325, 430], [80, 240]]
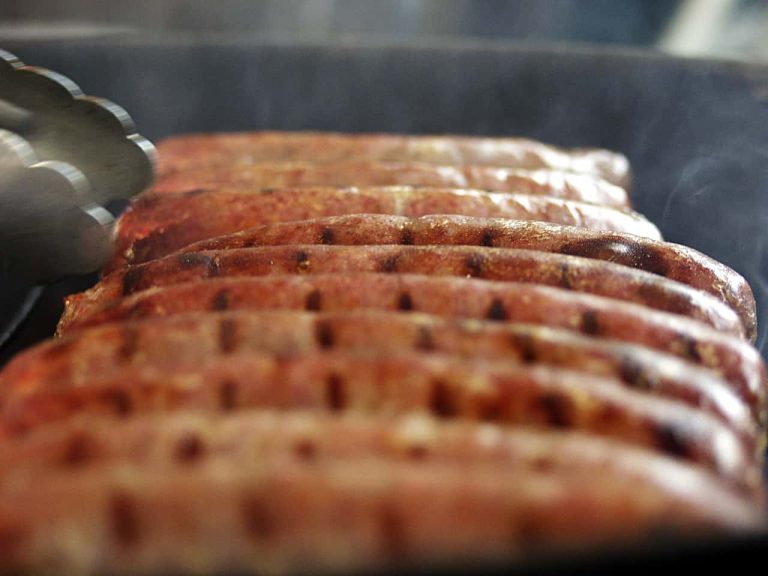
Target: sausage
[[156, 225], [283, 517], [187, 338], [556, 184], [438, 384], [570, 272], [450, 297], [673, 261], [193, 150]]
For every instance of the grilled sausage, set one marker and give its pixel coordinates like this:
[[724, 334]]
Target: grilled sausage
[[673, 261], [187, 338], [552, 183], [571, 272], [156, 225], [340, 381], [286, 517], [452, 297], [194, 150]]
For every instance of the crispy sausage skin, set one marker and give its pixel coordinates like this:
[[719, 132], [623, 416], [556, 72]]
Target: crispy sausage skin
[[666, 259], [451, 297], [194, 150], [156, 225], [187, 338], [571, 272], [551, 183], [411, 382]]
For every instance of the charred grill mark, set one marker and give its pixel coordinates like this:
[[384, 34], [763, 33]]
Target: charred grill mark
[[441, 401], [257, 520], [405, 302], [673, 441], [228, 337], [526, 346], [690, 348], [194, 260], [390, 264], [129, 343], [488, 237], [132, 280], [124, 519], [78, 450], [335, 393], [619, 250], [120, 401], [565, 276], [228, 393], [406, 236], [634, 374], [302, 261], [475, 264], [324, 334], [557, 409], [221, 301], [497, 311], [314, 301], [589, 323], [327, 235], [425, 339], [189, 448]]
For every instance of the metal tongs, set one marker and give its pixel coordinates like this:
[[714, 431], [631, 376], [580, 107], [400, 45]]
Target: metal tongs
[[64, 157]]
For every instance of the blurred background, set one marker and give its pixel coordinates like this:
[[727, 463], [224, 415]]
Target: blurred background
[[714, 28]]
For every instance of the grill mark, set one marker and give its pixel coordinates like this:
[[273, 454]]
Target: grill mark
[[324, 335], [672, 440], [475, 264], [405, 302], [417, 452], [488, 237], [406, 236], [129, 343], [228, 395], [327, 235], [305, 449], [124, 519], [195, 259], [314, 301], [525, 344], [303, 263], [589, 323], [189, 448], [565, 276], [425, 339], [690, 348], [390, 264], [497, 311], [335, 394], [557, 410], [633, 373], [257, 520], [78, 451], [441, 401], [121, 402], [132, 280], [228, 335], [221, 301]]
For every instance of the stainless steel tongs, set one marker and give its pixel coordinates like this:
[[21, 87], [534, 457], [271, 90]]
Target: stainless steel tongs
[[64, 157]]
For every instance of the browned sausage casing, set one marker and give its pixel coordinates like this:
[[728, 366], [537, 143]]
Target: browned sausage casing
[[451, 297], [667, 259], [195, 150], [156, 225], [552, 183]]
